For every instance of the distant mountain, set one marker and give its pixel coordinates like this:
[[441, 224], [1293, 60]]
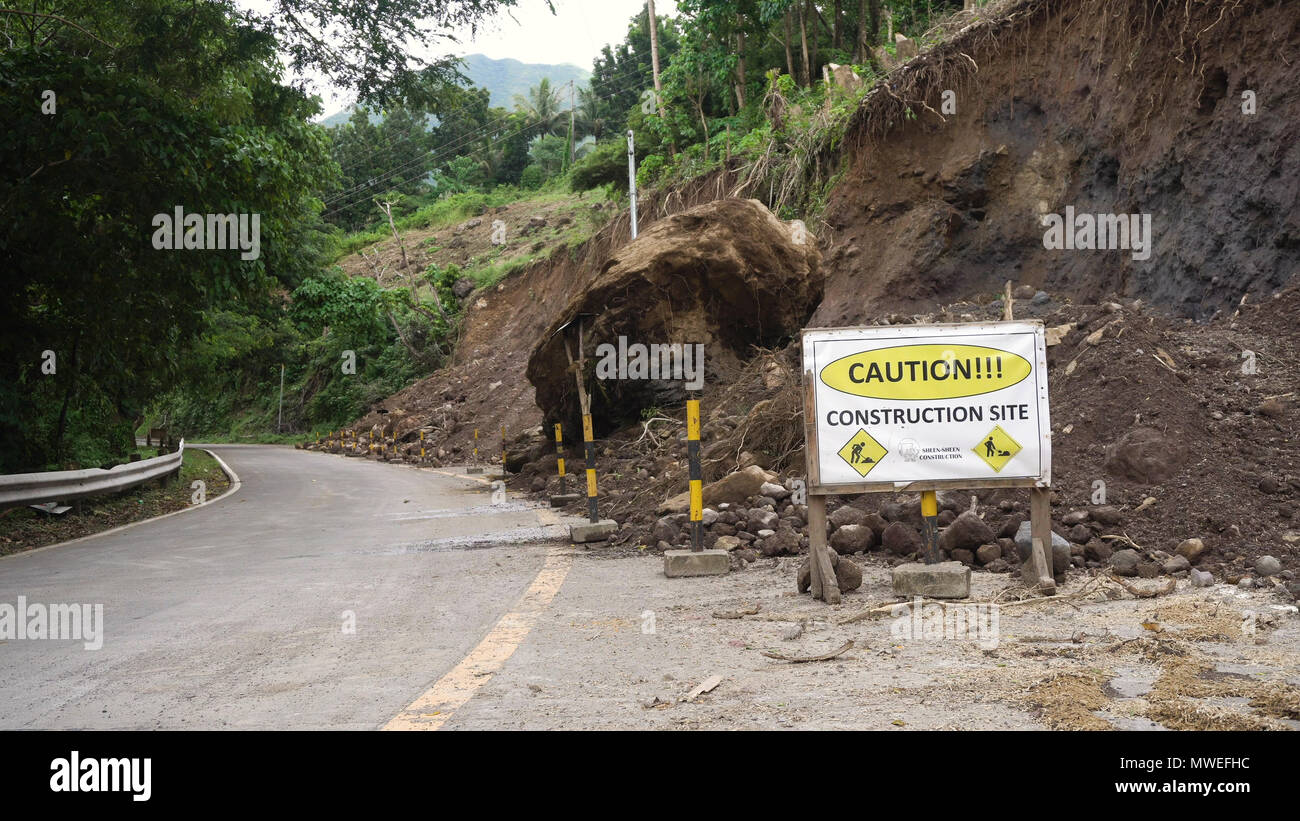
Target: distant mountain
[[502, 78]]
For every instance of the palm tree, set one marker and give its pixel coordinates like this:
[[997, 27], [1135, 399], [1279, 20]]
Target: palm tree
[[591, 113], [542, 108]]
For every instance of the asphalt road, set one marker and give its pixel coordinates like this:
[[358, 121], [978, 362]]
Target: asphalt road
[[236, 614]]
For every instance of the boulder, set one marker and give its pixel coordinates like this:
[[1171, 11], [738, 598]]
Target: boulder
[[847, 515], [733, 488], [877, 523], [784, 541], [1079, 534], [726, 543], [1267, 566], [968, 531], [665, 529], [1144, 455], [773, 490], [1190, 549], [463, 287], [1105, 514], [848, 575], [1125, 562], [901, 539], [762, 520], [1097, 550], [853, 539], [667, 286], [804, 576], [1024, 540]]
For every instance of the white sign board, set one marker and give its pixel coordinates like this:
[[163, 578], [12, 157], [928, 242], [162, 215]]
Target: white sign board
[[960, 405]]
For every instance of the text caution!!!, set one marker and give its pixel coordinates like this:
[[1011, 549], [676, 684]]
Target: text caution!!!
[[929, 404]]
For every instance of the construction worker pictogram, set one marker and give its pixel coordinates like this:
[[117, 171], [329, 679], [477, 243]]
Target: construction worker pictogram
[[862, 452], [997, 448]]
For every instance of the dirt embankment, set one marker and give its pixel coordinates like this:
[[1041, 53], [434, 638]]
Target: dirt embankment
[[1119, 107]]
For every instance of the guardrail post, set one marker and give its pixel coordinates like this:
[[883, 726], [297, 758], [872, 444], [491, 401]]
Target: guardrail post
[[589, 440], [559, 458], [696, 477]]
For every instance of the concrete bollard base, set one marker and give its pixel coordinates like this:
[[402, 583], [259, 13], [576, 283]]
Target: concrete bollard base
[[593, 532], [944, 580], [683, 563], [562, 499]]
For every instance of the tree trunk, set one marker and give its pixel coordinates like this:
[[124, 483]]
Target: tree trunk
[[863, 48], [812, 59], [414, 353], [740, 63], [803, 45], [835, 24], [789, 56], [654, 56]]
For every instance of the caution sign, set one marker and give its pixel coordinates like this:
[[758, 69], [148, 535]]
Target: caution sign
[[862, 452], [997, 448], [924, 405]]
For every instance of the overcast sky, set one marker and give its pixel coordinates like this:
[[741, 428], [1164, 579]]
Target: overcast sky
[[574, 34]]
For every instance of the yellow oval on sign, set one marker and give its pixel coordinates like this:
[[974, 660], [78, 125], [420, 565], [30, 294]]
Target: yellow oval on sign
[[926, 372]]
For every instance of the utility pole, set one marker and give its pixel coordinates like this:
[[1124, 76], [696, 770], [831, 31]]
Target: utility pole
[[654, 56], [631, 175], [279, 420]]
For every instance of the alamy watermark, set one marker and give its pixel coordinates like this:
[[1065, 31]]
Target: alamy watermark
[[77, 774], [211, 232], [1098, 232], [655, 361], [53, 622], [951, 622]]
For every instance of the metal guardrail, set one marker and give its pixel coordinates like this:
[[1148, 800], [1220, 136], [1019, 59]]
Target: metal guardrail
[[66, 485]]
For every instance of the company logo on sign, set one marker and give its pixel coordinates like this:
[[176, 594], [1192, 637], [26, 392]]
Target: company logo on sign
[[926, 372]]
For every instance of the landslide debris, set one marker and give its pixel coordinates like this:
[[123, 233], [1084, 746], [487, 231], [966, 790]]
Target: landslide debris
[[727, 275]]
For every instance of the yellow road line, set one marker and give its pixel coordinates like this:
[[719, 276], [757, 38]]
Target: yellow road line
[[449, 693]]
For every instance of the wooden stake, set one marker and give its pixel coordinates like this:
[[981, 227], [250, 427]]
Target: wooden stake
[[821, 573], [1040, 529]]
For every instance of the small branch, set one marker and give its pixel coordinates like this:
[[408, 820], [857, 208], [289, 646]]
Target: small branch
[[63, 20], [803, 659]]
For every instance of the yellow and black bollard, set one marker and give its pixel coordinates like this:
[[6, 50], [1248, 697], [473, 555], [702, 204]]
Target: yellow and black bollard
[[422, 447], [476, 446], [559, 457], [930, 525], [503, 451], [588, 439], [696, 476]]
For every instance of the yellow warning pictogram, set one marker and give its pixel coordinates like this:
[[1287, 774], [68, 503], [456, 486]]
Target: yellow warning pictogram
[[862, 452], [997, 448]]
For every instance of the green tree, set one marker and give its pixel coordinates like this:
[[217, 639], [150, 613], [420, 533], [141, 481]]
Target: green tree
[[543, 109]]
